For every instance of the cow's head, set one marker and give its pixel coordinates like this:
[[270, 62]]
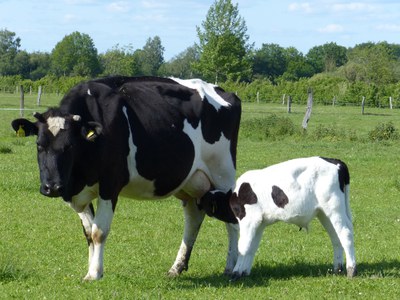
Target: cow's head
[[61, 139]]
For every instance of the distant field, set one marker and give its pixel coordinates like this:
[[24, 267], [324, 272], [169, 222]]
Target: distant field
[[43, 253]]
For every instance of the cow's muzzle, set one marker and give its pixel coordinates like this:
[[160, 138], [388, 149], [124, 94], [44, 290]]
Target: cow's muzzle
[[51, 190]]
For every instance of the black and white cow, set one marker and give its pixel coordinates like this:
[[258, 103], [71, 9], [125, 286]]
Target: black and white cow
[[295, 192], [144, 138]]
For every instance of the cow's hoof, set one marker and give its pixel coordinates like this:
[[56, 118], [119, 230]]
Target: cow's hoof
[[351, 272], [173, 273]]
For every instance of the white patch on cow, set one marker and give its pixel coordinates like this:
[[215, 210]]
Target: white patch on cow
[[138, 186], [205, 90], [212, 159], [55, 124], [89, 93]]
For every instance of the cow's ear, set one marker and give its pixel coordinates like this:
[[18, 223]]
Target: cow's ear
[[23, 127], [91, 131]]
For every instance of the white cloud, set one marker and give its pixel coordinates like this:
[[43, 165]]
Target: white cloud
[[69, 18], [331, 28], [389, 27], [302, 7], [151, 4], [353, 7], [120, 6]]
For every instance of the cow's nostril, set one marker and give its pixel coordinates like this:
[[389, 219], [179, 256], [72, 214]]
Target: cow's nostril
[[51, 190]]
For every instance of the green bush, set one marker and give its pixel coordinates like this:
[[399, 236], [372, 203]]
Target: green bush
[[384, 132], [270, 127]]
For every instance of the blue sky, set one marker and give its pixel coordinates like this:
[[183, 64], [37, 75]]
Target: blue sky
[[41, 24]]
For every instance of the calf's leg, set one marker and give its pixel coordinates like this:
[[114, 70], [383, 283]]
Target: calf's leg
[[343, 231], [193, 219], [251, 230], [232, 256], [337, 246]]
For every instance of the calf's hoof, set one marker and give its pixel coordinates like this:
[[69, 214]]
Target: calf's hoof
[[235, 276], [91, 277]]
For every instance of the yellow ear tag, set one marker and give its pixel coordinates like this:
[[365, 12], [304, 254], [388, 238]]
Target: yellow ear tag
[[20, 131], [90, 134]]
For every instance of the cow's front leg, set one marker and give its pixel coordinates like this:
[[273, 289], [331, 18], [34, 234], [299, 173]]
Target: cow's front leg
[[87, 216], [193, 220], [100, 229]]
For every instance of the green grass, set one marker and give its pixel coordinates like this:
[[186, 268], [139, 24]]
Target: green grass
[[43, 253]]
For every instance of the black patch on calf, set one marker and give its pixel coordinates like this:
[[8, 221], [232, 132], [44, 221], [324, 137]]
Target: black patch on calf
[[216, 204], [279, 197], [245, 195], [343, 173]]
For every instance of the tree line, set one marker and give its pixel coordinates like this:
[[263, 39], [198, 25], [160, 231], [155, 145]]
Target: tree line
[[223, 54]]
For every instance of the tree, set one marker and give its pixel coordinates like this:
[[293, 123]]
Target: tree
[[75, 55], [223, 44], [40, 64], [270, 61], [151, 57], [297, 66], [119, 61], [9, 48], [372, 63], [327, 58], [181, 65]]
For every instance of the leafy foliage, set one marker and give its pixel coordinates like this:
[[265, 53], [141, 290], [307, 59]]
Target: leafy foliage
[[75, 55], [384, 132], [223, 44]]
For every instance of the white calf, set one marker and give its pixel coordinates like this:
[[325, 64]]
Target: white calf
[[295, 192]]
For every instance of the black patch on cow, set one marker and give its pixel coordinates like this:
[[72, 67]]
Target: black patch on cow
[[245, 195], [156, 118], [279, 197], [343, 173], [216, 204]]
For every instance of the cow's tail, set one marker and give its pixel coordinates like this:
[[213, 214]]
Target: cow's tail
[[347, 200]]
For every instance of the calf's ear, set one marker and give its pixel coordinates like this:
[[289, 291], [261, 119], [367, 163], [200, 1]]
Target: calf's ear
[[91, 130], [23, 127]]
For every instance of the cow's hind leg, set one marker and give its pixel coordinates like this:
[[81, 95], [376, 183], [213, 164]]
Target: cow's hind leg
[[193, 220], [100, 229]]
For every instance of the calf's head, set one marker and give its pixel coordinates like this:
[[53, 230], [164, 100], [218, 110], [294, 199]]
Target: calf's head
[[60, 140]]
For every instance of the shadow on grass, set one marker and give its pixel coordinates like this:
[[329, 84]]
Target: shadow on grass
[[261, 274], [9, 272]]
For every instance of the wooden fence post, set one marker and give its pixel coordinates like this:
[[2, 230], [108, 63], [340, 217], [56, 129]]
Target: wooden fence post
[[39, 95], [289, 104], [283, 99], [390, 102], [362, 105], [258, 97], [21, 102], [309, 108]]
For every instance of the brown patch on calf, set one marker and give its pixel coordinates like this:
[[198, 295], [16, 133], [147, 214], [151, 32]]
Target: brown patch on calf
[[245, 195], [279, 197]]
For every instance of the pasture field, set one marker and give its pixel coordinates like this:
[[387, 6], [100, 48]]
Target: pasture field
[[43, 253]]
